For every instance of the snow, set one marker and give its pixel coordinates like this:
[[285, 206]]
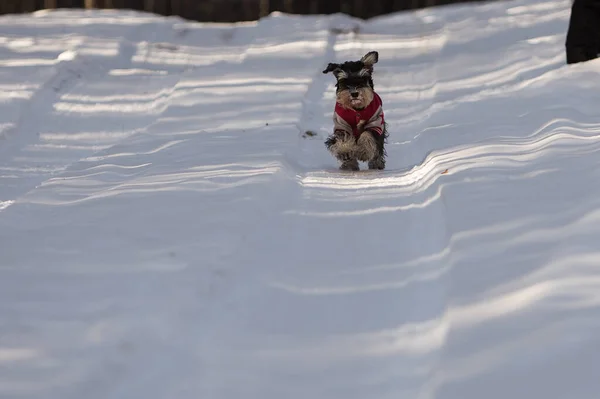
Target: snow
[[166, 231]]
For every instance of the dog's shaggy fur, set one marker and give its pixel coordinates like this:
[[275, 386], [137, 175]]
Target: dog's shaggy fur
[[367, 147], [360, 131]]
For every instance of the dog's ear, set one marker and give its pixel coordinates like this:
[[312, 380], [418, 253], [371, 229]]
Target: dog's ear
[[370, 58], [337, 70], [331, 67]]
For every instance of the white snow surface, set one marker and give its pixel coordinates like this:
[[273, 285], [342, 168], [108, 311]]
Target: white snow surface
[[166, 231]]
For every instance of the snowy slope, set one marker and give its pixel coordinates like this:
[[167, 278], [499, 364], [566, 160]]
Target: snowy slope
[[166, 231]]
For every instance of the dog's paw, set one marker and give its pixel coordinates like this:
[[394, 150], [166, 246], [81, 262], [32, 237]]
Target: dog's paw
[[377, 164], [350, 164]]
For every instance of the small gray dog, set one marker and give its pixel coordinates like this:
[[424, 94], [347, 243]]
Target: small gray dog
[[360, 131]]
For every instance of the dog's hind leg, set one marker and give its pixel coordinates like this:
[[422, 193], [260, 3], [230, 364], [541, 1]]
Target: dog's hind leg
[[342, 146]]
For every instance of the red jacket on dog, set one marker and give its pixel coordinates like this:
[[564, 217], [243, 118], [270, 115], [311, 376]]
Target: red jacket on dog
[[355, 122]]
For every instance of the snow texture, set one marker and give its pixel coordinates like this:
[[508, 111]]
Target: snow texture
[[168, 230]]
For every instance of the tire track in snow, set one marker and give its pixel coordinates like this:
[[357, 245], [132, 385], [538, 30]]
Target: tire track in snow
[[25, 167], [197, 161], [317, 104], [351, 257], [426, 225], [27, 151], [125, 341], [26, 129], [312, 103]]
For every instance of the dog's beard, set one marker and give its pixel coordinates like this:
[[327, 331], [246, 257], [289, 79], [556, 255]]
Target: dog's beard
[[365, 96]]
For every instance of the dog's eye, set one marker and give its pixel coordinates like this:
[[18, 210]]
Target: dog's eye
[[353, 85]]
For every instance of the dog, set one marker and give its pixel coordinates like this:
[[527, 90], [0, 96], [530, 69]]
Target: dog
[[359, 126]]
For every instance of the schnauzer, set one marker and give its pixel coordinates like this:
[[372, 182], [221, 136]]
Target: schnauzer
[[360, 131]]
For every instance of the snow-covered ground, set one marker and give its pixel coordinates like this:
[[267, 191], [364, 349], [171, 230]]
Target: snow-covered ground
[[166, 231]]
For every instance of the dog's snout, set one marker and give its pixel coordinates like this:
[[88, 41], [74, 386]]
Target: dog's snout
[[354, 94]]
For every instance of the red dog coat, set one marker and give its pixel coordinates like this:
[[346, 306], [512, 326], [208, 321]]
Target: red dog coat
[[372, 117]]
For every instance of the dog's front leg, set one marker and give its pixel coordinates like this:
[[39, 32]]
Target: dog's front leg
[[342, 145], [366, 146], [370, 149]]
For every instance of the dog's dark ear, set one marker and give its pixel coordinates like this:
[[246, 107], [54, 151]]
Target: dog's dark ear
[[331, 67], [370, 58], [337, 70]]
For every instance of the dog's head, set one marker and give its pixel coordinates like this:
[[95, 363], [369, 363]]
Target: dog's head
[[354, 87]]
